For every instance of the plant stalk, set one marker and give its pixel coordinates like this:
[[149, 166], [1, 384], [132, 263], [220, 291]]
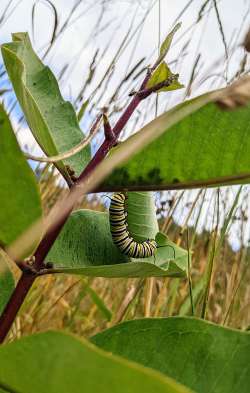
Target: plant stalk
[[24, 284], [14, 303]]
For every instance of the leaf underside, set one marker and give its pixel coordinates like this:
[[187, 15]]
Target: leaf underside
[[206, 148], [85, 246]]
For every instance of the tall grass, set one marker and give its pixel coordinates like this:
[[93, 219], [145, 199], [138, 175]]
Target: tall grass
[[218, 281], [220, 277]]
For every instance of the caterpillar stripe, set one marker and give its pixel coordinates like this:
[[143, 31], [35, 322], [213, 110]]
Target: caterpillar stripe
[[120, 234]]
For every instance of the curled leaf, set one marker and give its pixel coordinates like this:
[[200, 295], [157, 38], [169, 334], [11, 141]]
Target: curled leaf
[[52, 120], [161, 74]]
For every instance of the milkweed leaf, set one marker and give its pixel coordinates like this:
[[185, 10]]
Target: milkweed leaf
[[161, 74], [60, 362], [52, 120]]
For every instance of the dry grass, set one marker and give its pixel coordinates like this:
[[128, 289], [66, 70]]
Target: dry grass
[[85, 306]]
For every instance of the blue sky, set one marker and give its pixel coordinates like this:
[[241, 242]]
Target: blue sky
[[77, 45]]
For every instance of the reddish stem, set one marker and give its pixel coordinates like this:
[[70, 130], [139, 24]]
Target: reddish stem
[[108, 144], [14, 304], [24, 284], [108, 132]]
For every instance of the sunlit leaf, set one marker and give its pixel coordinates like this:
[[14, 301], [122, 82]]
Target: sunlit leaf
[[167, 42], [161, 74], [52, 120]]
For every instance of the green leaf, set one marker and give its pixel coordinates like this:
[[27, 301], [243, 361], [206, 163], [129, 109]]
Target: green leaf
[[85, 246], [161, 74], [7, 282], [52, 121], [19, 195], [167, 42], [209, 147], [141, 218], [55, 362], [205, 357]]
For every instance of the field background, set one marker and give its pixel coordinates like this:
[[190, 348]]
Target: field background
[[99, 50]]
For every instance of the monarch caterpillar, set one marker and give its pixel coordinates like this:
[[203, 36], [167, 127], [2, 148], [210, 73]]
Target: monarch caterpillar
[[120, 234]]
